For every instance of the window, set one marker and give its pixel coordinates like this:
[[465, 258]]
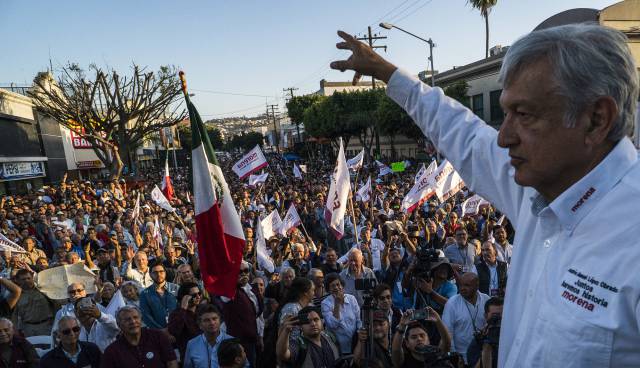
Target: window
[[477, 105], [497, 115]]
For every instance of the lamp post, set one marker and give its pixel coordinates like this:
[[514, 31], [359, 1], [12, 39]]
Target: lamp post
[[429, 41]]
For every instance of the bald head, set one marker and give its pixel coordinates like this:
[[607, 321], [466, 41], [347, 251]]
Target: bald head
[[468, 285]]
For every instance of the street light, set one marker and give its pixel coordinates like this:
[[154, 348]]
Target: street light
[[389, 26]]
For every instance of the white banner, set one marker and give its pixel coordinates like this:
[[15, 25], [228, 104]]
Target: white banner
[[271, 225], [422, 189], [249, 163], [160, 199], [257, 179], [296, 172], [264, 260], [303, 168], [337, 197], [447, 181], [6, 244], [291, 220], [364, 194], [356, 163], [471, 206], [384, 169]]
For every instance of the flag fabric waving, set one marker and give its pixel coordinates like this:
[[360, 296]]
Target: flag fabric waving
[[262, 254], [419, 173], [6, 244], [220, 236], [296, 172], [291, 220], [364, 193], [447, 181], [160, 199], [384, 169], [356, 163], [271, 225], [167, 187], [303, 168], [472, 205], [337, 197], [156, 231], [251, 162], [257, 179], [421, 191]]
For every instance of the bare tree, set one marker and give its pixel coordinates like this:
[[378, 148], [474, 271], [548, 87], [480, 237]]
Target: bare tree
[[112, 112]]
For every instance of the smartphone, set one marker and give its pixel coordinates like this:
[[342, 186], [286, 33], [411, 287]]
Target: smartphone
[[85, 303], [420, 314], [303, 319]]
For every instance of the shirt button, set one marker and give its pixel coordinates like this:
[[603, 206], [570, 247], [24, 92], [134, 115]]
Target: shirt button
[[517, 342], [547, 243], [530, 293]]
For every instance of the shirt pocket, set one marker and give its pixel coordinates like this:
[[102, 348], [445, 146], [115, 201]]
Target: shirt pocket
[[570, 342]]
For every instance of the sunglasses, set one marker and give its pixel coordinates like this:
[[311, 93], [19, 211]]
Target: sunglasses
[[196, 294], [68, 331]]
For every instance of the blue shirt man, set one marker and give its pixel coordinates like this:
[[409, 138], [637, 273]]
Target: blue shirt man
[[157, 301]]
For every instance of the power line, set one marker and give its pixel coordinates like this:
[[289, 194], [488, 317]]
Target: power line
[[229, 93], [414, 12]]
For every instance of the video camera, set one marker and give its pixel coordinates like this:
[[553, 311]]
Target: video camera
[[435, 358], [493, 330], [425, 257]]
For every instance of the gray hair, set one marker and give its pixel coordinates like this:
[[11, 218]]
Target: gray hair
[[127, 308], [67, 318], [285, 270], [8, 321], [588, 61]]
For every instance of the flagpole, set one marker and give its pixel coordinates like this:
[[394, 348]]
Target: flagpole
[[353, 215]]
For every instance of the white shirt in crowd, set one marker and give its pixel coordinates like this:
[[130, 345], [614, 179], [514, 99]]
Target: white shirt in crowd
[[349, 321], [504, 254], [463, 319], [376, 246], [571, 299], [103, 331], [142, 278]]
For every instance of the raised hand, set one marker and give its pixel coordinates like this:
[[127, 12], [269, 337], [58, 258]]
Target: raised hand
[[363, 60]]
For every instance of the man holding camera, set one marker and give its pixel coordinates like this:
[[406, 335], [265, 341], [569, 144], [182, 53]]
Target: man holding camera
[[314, 348], [380, 351], [483, 351], [411, 347]]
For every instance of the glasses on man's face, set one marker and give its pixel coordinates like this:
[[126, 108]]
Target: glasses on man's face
[[76, 291], [244, 270], [67, 332]]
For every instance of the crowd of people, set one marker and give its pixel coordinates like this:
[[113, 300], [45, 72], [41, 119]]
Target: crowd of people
[[147, 305]]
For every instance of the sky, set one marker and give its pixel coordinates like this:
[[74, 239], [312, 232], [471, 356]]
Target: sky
[[239, 55]]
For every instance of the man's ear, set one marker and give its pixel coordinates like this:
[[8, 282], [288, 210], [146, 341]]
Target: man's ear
[[603, 116]]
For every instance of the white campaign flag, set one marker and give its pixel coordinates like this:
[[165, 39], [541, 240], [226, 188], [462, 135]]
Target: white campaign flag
[[296, 172], [257, 179], [156, 231], [356, 163], [421, 191], [254, 160], [160, 199], [136, 208], [6, 244], [291, 220], [271, 225], [337, 197], [407, 163], [303, 168], [447, 181], [264, 259], [364, 194], [419, 173], [471, 206], [384, 169]]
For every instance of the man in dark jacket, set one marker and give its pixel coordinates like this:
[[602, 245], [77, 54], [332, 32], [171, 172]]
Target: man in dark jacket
[[492, 273], [15, 352], [71, 353]]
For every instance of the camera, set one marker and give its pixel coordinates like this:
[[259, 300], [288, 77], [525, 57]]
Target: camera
[[434, 358], [493, 330], [420, 314], [303, 319], [425, 256], [365, 284]]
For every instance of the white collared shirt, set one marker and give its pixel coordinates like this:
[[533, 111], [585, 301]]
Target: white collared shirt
[[463, 319], [573, 294], [349, 321], [102, 333]]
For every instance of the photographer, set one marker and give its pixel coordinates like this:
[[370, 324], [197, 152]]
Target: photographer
[[411, 344], [380, 350], [314, 348], [432, 285], [394, 268], [483, 350]]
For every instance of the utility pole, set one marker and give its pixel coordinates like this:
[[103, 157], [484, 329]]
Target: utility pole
[[370, 38], [291, 89], [275, 128]]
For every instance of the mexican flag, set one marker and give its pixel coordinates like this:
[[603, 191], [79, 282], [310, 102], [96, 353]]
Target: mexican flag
[[220, 236]]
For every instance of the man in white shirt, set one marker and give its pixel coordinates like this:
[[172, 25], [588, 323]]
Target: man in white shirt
[[504, 250], [565, 173], [464, 313], [140, 274], [97, 327]]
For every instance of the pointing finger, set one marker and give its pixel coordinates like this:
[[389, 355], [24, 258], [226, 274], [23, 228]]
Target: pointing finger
[[347, 37], [341, 65], [356, 79], [343, 46]]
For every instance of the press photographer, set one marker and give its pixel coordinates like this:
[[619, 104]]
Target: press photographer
[[483, 350], [411, 343], [380, 353]]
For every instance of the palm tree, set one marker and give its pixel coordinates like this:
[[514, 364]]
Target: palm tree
[[485, 7]]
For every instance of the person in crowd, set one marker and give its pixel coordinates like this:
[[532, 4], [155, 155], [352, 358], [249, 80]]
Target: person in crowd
[[483, 350], [312, 348], [383, 302], [141, 273], [461, 254], [355, 271], [130, 293], [8, 301], [202, 350], [411, 338], [34, 312], [138, 346], [183, 325], [299, 295], [278, 289], [15, 351], [75, 291], [105, 294], [503, 248], [71, 352], [463, 313], [297, 261], [492, 273], [158, 300], [340, 312], [107, 270], [330, 264], [435, 288], [97, 326], [32, 253], [394, 267], [231, 354], [381, 348], [240, 314], [317, 277]]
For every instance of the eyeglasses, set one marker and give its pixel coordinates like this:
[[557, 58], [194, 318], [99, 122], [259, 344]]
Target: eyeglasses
[[196, 294], [68, 331], [244, 270], [76, 291]]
